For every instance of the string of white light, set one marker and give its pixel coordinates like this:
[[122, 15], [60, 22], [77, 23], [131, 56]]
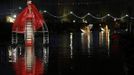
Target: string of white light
[[72, 13], [88, 14], [58, 17]]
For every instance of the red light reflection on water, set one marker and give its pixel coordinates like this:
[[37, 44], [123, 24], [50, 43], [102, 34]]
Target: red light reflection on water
[[20, 67]]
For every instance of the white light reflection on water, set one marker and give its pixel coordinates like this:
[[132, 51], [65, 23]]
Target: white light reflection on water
[[86, 39], [89, 38], [107, 38], [109, 43], [101, 38], [104, 39], [71, 45], [14, 55]]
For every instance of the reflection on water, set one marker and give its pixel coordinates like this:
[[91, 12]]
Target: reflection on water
[[86, 38], [84, 52], [71, 52], [71, 45], [90, 39]]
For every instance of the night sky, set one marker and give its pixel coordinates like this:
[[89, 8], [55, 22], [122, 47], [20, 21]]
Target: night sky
[[114, 7]]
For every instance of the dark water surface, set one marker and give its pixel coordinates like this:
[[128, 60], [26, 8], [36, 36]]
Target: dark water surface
[[79, 53]]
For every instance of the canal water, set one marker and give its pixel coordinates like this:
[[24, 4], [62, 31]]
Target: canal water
[[81, 53]]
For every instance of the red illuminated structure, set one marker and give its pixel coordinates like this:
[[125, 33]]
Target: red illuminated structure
[[22, 53]]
